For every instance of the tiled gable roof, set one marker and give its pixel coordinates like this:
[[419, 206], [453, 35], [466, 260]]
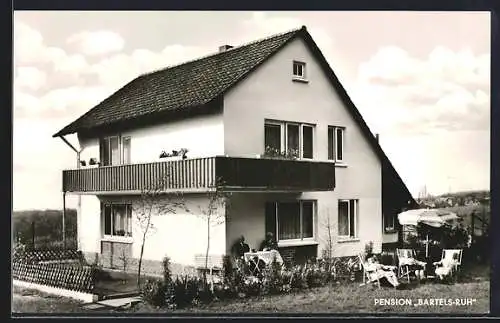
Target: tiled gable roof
[[199, 82], [192, 84]]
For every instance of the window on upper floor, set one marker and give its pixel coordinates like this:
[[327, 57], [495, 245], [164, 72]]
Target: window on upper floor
[[336, 143], [292, 138], [299, 70], [347, 219], [117, 219], [114, 150]]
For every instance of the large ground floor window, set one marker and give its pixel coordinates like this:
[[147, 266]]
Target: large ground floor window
[[291, 220], [117, 219]]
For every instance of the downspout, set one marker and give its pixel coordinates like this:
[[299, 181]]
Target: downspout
[[79, 200]]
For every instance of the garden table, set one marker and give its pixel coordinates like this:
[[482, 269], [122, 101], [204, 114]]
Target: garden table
[[266, 257]]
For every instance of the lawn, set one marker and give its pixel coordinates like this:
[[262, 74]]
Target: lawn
[[341, 298]]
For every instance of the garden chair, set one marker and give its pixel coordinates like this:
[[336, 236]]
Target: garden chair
[[406, 259], [449, 265], [369, 277]]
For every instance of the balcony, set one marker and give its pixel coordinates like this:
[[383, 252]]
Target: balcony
[[201, 174]]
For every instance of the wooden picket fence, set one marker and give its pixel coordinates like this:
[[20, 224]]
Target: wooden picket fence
[[73, 277]]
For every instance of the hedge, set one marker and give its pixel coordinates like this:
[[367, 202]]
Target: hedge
[[77, 278]]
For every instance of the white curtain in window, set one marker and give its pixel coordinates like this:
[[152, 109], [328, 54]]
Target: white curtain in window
[[289, 221], [343, 218]]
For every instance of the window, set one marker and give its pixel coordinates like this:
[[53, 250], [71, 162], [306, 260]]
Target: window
[[290, 220], [347, 221], [307, 142], [336, 143], [113, 152], [273, 136], [389, 222], [117, 219], [290, 137], [126, 150], [299, 70]]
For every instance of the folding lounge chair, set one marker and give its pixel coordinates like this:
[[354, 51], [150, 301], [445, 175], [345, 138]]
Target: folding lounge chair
[[368, 276], [406, 258], [451, 258]]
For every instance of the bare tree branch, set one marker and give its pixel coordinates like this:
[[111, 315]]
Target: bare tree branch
[[218, 198], [155, 201]]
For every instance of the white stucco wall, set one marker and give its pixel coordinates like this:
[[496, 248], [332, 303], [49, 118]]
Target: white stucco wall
[[270, 93], [179, 236], [203, 136], [89, 224]]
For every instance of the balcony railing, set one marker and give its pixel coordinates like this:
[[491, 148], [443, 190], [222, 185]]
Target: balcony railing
[[202, 174]]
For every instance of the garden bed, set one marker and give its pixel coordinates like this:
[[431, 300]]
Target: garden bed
[[109, 284]]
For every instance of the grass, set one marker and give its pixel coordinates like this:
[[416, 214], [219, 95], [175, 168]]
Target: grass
[[340, 298]]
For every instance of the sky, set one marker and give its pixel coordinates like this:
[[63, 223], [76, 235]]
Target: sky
[[421, 80]]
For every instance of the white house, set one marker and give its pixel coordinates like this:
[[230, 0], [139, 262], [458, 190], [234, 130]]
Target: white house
[[231, 110]]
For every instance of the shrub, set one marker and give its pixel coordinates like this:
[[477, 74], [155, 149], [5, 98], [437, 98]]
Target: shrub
[[298, 280], [186, 290], [252, 286], [227, 268], [153, 292], [272, 282]]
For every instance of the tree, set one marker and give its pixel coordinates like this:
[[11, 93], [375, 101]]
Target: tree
[[217, 198], [328, 253], [155, 201]]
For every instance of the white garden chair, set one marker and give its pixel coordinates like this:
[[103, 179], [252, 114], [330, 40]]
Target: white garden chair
[[450, 263]]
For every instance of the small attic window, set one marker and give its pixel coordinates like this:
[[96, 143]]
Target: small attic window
[[299, 70]]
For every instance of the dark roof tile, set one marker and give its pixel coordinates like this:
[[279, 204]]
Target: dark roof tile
[[194, 83]]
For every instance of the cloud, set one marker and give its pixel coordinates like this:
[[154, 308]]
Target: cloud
[[30, 78], [117, 70], [95, 43], [262, 23], [28, 44], [448, 90]]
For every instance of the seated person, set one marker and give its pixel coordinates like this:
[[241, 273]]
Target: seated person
[[269, 243], [415, 265], [240, 247], [378, 271]]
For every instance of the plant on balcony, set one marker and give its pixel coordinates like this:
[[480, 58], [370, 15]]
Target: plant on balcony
[[175, 153], [93, 161], [153, 202], [271, 152]]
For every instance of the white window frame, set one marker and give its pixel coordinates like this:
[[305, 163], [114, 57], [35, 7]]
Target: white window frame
[[335, 143], [121, 154], [128, 206], [122, 157], [303, 69], [314, 217], [284, 135], [356, 217]]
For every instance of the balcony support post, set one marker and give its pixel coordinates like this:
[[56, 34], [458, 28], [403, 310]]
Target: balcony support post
[[78, 166]]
